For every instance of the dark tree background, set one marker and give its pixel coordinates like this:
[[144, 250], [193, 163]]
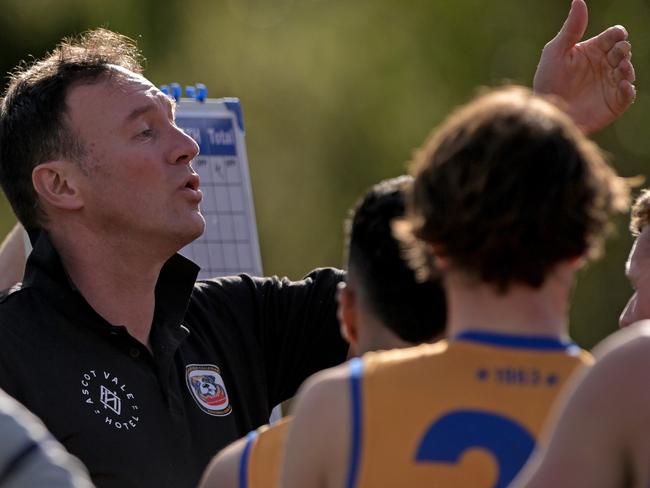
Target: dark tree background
[[337, 94]]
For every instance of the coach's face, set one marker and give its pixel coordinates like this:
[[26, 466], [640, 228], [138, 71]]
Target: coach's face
[[637, 270], [137, 180]]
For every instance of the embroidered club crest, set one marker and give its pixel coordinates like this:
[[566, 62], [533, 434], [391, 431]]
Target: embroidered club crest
[[208, 389]]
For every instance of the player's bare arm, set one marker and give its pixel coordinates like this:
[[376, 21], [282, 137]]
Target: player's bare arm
[[601, 437], [318, 442], [223, 470], [593, 77]]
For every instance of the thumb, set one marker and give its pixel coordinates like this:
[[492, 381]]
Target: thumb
[[574, 26]]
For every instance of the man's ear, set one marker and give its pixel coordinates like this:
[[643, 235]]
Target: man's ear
[[347, 313], [57, 184]]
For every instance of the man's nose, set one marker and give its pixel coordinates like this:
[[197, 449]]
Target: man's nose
[[185, 149]]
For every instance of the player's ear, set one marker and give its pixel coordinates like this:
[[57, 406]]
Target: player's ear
[[440, 260], [57, 184], [577, 262], [347, 312]]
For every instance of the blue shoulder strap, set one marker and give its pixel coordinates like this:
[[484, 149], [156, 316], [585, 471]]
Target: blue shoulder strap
[[356, 374], [243, 462]]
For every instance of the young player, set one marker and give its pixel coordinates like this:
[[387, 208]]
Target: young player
[[509, 198], [381, 306], [637, 267], [601, 437]]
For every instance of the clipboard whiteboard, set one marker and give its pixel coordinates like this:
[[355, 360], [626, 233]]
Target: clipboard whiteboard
[[230, 243]]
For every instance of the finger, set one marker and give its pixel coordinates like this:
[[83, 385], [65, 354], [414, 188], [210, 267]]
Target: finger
[[626, 94], [624, 71], [608, 38], [574, 26], [620, 51]]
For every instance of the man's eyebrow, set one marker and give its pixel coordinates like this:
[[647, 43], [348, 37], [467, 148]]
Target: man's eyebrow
[[143, 109], [138, 111]]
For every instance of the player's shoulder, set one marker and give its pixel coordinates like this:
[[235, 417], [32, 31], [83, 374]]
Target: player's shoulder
[[272, 434], [335, 385], [325, 395], [600, 389], [328, 381], [626, 352], [224, 469]]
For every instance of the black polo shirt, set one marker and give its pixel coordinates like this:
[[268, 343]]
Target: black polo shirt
[[224, 352]]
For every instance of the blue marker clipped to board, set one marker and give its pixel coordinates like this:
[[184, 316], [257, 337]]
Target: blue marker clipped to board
[[201, 92], [198, 92], [176, 91]]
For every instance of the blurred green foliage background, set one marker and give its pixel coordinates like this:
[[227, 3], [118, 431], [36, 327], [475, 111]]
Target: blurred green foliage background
[[337, 94]]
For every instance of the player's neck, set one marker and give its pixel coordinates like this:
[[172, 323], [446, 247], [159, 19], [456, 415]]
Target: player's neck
[[377, 337], [521, 310], [118, 280]]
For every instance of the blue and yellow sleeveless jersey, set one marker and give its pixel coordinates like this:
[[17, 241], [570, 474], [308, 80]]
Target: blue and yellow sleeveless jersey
[[459, 413], [261, 460]]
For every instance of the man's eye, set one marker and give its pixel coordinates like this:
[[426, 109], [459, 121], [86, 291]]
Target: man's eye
[[145, 134]]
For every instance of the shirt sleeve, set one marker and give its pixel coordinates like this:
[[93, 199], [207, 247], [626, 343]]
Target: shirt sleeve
[[29, 456], [299, 331]]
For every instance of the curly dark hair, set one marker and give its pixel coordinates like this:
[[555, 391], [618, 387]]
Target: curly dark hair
[[33, 124], [508, 187], [415, 311]]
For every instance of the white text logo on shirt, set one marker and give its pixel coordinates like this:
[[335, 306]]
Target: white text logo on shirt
[[107, 396]]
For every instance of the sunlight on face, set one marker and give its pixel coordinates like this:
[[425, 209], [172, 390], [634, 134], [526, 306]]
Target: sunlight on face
[[141, 184], [638, 273]]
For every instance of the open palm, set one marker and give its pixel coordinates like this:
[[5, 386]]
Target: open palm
[[593, 77]]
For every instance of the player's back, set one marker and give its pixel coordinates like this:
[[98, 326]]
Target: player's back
[[463, 413], [253, 461], [262, 458]]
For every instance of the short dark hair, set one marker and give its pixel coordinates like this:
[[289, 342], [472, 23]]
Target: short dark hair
[[508, 187], [33, 123], [415, 311]]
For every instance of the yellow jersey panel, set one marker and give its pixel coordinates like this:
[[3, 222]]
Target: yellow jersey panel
[[463, 413], [261, 460]]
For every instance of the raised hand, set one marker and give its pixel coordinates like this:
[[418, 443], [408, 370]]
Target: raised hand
[[594, 77]]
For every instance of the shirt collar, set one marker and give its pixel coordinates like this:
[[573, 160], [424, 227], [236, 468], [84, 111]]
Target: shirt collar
[[173, 289]]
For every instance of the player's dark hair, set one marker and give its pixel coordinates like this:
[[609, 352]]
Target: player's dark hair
[[508, 187], [33, 123], [416, 312]]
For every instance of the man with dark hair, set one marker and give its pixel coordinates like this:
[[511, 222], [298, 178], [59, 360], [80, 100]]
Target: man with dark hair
[[139, 371], [509, 198], [380, 289], [381, 306]]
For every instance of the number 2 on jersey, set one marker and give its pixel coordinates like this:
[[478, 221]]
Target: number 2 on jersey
[[454, 433]]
